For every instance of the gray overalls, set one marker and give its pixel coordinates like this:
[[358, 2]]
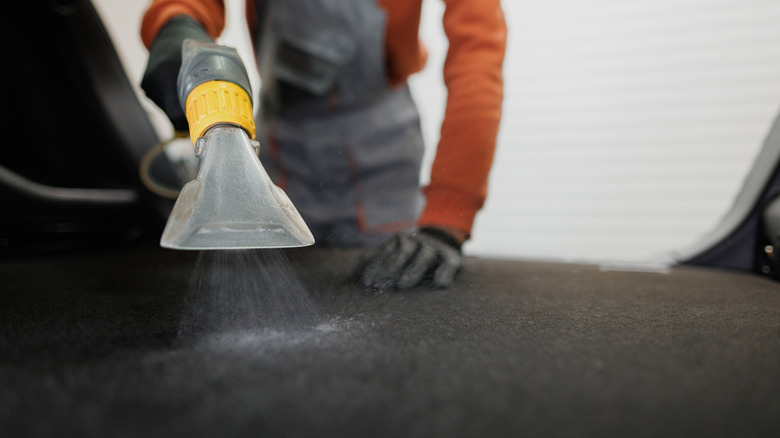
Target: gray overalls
[[345, 147]]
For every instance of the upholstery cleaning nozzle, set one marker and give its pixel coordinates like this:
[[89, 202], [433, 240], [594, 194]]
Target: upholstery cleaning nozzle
[[232, 203]]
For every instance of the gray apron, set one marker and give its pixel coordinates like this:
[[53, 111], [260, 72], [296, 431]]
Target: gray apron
[[345, 147]]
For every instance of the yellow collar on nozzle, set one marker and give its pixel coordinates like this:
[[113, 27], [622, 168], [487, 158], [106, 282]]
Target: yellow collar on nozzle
[[216, 103]]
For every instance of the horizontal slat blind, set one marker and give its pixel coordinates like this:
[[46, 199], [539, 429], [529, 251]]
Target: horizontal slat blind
[[628, 127]]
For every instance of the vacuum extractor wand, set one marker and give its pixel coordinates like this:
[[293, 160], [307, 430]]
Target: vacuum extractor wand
[[232, 203]]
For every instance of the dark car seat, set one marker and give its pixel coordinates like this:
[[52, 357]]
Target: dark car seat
[[71, 120]]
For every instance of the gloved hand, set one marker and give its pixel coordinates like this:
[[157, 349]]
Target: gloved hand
[[426, 256], [162, 68]]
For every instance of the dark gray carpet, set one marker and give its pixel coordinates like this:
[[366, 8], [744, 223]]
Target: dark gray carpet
[[133, 344]]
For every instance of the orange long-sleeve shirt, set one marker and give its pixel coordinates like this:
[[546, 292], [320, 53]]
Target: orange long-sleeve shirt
[[476, 31]]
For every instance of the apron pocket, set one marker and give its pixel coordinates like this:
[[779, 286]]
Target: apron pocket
[[312, 64]]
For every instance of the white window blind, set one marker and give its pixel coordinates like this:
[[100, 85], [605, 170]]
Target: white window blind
[[629, 126]]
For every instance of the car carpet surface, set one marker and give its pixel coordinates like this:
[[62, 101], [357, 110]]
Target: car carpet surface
[[146, 342]]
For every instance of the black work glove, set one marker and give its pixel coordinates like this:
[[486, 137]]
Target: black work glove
[[162, 68], [427, 256]]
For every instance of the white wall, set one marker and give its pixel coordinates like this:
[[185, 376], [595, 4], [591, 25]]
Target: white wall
[[628, 126]]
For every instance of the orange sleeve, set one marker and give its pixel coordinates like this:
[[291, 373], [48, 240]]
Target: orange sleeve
[[476, 30], [404, 52], [210, 13]]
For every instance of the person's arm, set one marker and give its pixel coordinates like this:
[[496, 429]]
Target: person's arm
[[166, 24], [209, 13], [431, 255], [473, 75]]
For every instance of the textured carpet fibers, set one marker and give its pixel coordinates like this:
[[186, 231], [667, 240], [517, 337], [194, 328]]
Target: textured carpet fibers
[[111, 344]]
